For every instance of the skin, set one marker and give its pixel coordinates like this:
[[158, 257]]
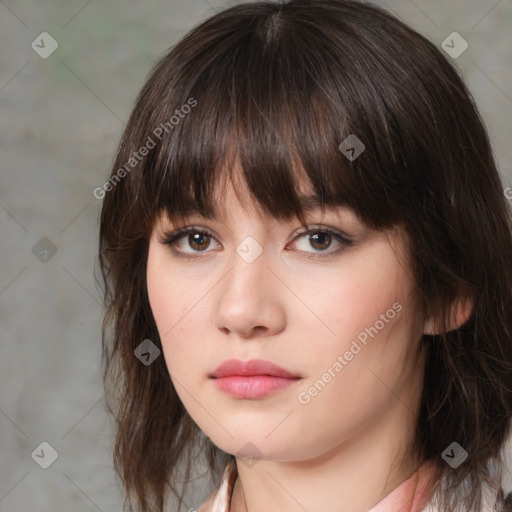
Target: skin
[[350, 445]]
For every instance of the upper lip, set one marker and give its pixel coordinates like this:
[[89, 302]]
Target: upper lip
[[252, 367]]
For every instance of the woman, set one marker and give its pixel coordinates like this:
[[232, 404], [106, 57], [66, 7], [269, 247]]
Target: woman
[[308, 263]]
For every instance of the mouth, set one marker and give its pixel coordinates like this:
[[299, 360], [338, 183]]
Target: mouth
[[252, 379], [253, 386], [254, 367]]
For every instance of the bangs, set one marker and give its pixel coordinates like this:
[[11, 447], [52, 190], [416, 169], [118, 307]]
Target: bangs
[[280, 103]]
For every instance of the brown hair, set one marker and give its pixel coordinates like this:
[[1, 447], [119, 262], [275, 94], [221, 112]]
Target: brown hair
[[279, 86]]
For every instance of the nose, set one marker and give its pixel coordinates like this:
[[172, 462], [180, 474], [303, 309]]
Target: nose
[[249, 299]]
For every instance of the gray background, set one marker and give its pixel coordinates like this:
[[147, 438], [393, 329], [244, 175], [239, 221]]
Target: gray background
[[61, 119]]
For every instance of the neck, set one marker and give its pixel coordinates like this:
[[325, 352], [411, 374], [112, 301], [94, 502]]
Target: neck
[[354, 476]]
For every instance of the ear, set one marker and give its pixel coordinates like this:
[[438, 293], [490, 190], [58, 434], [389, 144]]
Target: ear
[[459, 314]]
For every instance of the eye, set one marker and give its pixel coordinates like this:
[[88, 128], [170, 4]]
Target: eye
[[199, 239], [321, 239]]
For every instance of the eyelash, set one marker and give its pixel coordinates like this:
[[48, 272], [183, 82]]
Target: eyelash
[[171, 239]]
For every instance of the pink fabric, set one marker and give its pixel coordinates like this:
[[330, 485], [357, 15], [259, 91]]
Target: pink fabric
[[408, 496], [220, 500], [404, 498]]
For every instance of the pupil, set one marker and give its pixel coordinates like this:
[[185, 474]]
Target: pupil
[[196, 240], [322, 236]]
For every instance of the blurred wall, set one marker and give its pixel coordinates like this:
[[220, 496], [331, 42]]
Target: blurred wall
[[63, 110]]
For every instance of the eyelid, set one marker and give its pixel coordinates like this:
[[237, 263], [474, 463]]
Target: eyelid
[[321, 228], [342, 238], [169, 238]]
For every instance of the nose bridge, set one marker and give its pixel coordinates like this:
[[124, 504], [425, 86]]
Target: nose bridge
[[250, 257], [248, 296], [248, 271]]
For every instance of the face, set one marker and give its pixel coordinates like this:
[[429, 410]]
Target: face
[[333, 307]]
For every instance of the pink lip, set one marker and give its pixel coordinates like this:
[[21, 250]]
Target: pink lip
[[252, 379]]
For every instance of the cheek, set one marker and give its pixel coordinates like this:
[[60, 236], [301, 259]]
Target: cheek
[[170, 299], [161, 300], [171, 310], [368, 309], [354, 383], [175, 325], [351, 301]]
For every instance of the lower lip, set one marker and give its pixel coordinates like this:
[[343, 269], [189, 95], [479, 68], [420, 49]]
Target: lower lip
[[253, 386]]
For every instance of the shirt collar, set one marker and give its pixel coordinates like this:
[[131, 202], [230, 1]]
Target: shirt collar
[[407, 497]]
